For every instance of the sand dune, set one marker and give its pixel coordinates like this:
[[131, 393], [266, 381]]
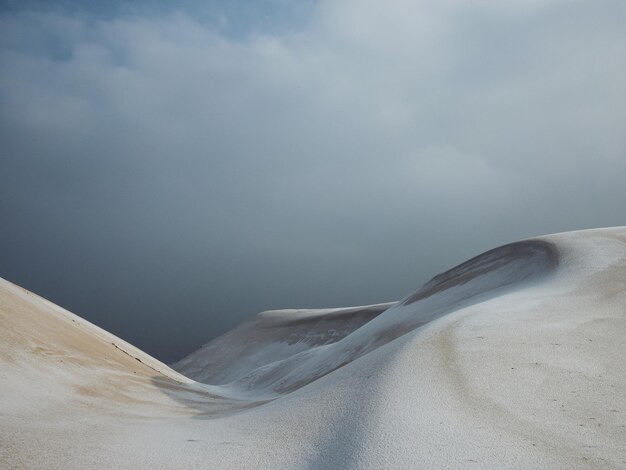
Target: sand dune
[[514, 359]]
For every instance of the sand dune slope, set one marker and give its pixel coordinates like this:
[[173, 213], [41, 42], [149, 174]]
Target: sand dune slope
[[514, 359]]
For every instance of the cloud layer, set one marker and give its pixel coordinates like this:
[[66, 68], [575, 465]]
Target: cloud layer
[[160, 169]]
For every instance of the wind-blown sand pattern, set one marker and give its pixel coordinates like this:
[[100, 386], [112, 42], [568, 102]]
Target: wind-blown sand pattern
[[513, 359]]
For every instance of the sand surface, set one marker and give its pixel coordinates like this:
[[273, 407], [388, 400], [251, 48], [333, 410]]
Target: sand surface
[[514, 359]]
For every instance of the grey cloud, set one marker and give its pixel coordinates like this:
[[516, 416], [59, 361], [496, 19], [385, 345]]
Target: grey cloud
[[166, 179]]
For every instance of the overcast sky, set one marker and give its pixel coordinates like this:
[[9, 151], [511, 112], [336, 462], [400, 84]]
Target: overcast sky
[[169, 169]]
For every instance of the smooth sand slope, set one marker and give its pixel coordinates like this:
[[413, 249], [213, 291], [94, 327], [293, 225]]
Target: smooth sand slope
[[514, 359]]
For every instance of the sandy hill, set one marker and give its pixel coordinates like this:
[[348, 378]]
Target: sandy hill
[[513, 359]]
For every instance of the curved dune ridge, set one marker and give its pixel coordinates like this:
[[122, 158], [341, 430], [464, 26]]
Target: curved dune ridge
[[515, 358], [276, 373]]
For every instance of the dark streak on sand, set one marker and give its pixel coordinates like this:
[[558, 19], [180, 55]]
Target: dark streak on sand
[[358, 315], [487, 262]]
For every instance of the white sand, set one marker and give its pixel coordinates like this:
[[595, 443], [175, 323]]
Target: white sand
[[521, 364]]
